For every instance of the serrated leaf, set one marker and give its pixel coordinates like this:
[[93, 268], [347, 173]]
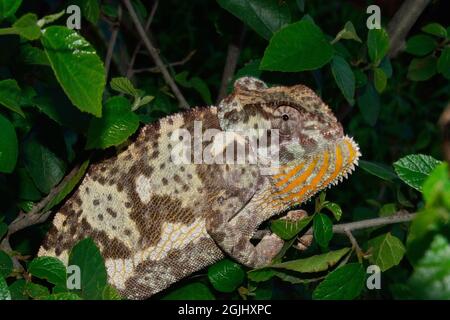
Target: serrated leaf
[[26, 26], [33, 55], [344, 77], [344, 283], [192, 291], [422, 69], [4, 291], [369, 104], [323, 229], [116, 125], [124, 85], [90, 9], [420, 45], [387, 251], [8, 146], [334, 208], [435, 29], [378, 44], [379, 79], [264, 16], [415, 168], [49, 268], [226, 275], [287, 229], [315, 263], [297, 47], [430, 276], [86, 255], [68, 187], [9, 8], [77, 67], [6, 264], [443, 64], [10, 94]]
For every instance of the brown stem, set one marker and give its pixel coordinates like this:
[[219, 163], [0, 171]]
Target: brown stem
[[401, 23], [172, 64], [154, 54], [112, 42]]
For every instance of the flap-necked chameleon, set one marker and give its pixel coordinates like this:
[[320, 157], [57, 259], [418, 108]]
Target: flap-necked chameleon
[[157, 221]]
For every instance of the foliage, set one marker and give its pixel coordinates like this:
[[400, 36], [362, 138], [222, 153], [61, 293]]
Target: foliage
[[61, 105]]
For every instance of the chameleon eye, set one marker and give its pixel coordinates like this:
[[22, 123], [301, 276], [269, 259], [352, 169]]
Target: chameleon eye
[[285, 117]]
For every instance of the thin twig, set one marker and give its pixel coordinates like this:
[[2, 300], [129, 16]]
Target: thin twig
[[233, 53], [355, 244], [137, 50], [155, 69], [401, 23], [157, 59], [112, 41]]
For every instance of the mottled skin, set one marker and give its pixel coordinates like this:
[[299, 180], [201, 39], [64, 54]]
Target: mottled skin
[[156, 222]]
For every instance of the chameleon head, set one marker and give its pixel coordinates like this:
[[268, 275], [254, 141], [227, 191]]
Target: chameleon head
[[314, 153]]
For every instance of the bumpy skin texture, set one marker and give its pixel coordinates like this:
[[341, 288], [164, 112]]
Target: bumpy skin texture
[[156, 221]]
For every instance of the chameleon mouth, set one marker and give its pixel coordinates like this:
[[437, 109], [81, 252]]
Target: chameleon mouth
[[325, 168]]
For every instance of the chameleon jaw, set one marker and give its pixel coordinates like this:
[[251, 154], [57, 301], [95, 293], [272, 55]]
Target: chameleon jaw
[[299, 182]]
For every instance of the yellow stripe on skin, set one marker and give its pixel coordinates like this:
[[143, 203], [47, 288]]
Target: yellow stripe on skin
[[314, 182], [302, 178], [290, 174]]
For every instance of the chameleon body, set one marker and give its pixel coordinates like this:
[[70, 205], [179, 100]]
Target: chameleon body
[[156, 221]]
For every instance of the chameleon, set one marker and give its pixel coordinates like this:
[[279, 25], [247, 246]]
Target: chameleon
[[157, 221]]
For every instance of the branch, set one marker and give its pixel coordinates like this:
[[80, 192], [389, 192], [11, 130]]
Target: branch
[[172, 64], [233, 53], [139, 45], [154, 54], [112, 41], [402, 22]]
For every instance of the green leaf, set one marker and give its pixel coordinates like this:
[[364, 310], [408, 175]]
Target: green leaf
[[196, 83], [435, 29], [110, 293], [369, 104], [68, 186], [334, 208], [344, 283], [379, 79], [35, 291], [33, 55], [420, 45], [10, 94], [421, 69], [348, 33], [61, 296], [315, 263], [6, 264], [77, 67], [297, 47], [443, 64], [17, 290], [379, 170], [3, 229], [344, 77], [360, 78], [116, 125], [86, 255], [9, 8], [49, 268], [8, 146], [287, 229], [437, 185], [387, 210], [260, 275], [27, 27], [378, 44], [387, 251], [415, 168], [192, 291], [226, 275], [90, 9], [430, 277], [44, 166], [4, 291], [124, 85], [323, 229], [264, 16]]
